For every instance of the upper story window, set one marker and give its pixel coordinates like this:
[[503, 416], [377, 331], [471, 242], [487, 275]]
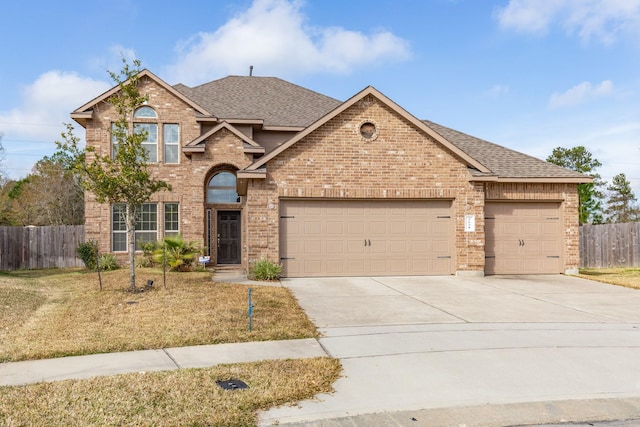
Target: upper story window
[[145, 113], [162, 140], [150, 143], [222, 189], [171, 137]]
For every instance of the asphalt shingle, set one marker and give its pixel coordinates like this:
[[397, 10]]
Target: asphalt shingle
[[502, 161], [277, 102]]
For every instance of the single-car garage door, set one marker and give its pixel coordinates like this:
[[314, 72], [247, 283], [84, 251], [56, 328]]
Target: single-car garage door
[[366, 238], [523, 238]]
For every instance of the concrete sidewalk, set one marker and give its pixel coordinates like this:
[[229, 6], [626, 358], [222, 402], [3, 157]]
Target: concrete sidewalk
[[80, 367]]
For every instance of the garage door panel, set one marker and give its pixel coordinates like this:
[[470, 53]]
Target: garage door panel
[[377, 228], [312, 247], [355, 246], [523, 238], [397, 247], [335, 227], [378, 237]]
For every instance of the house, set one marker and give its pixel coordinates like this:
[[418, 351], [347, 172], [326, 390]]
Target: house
[[262, 168]]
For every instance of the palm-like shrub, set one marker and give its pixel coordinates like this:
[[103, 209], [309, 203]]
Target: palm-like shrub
[[178, 254]]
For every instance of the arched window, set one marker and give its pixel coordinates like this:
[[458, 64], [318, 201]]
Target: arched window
[[145, 113], [222, 189]]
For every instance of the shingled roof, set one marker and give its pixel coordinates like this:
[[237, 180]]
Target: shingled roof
[[273, 100], [503, 162]]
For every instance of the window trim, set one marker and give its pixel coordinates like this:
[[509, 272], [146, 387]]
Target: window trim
[[137, 114], [172, 232], [138, 224], [171, 144]]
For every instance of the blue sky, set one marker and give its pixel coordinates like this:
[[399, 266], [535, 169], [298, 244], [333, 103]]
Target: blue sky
[[530, 75]]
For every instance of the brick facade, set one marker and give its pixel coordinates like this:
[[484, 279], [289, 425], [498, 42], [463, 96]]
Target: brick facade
[[334, 161]]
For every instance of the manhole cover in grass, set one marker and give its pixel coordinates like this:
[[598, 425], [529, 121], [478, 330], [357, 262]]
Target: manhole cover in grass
[[232, 384]]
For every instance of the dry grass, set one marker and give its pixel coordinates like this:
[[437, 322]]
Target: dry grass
[[628, 277], [177, 398], [57, 313]]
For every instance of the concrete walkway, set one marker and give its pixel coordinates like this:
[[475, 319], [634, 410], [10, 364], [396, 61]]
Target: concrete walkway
[[80, 367], [477, 351]]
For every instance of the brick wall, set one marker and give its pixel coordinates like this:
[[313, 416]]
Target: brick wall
[[188, 178], [335, 161]]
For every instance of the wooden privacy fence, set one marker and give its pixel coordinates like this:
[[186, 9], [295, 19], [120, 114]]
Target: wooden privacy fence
[[610, 245], [31, 248]]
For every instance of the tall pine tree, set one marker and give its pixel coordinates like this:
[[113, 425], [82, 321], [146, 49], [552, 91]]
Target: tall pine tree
[[621, 205]]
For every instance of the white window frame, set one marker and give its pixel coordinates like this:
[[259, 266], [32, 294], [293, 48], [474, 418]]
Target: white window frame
[[172, 232], [170, 144]]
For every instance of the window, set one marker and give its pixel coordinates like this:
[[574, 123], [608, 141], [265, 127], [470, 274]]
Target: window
[[145, 113], [222, 189], [119, 228], [114, 140], [171, 220], [150, 143], [171, 137], [146, 226]]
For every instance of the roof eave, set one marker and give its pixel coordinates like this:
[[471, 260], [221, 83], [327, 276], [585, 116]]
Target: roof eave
[[252, 174], [534, 180], [82, 117], [283, 128]]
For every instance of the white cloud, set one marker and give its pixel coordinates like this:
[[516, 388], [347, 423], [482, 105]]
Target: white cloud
[[580, 93], [604, 20], [30, 129], [272, 36], [497, 90], [47, 102]]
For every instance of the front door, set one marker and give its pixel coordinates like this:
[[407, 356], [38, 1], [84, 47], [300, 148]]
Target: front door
[[228, 227]]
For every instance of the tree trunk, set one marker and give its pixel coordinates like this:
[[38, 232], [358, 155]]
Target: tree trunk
[[131, 232]]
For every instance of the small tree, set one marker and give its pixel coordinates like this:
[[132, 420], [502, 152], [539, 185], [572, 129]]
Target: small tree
[[621, 203], [124, 177], [590, 194]]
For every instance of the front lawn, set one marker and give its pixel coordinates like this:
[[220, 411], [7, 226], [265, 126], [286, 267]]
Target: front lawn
[[628, 277], [187, 397], [54, 313]]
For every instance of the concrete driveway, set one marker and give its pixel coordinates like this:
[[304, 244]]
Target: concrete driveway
[[512, 349]]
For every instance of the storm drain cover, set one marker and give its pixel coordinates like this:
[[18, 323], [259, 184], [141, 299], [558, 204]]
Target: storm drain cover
[[232, 384]]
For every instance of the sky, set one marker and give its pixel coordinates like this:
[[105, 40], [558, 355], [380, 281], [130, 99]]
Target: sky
[[530, 75]]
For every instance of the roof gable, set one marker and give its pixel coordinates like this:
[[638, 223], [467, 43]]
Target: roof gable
[[370, 90], [84, 111], [198, 146]]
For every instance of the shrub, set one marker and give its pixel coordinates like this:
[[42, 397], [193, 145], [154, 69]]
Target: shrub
[[146, 259], [266, 270], [107, 262], [88, 252], [177, 253]]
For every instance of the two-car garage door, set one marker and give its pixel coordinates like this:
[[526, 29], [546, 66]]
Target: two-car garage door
[[366, 238]]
